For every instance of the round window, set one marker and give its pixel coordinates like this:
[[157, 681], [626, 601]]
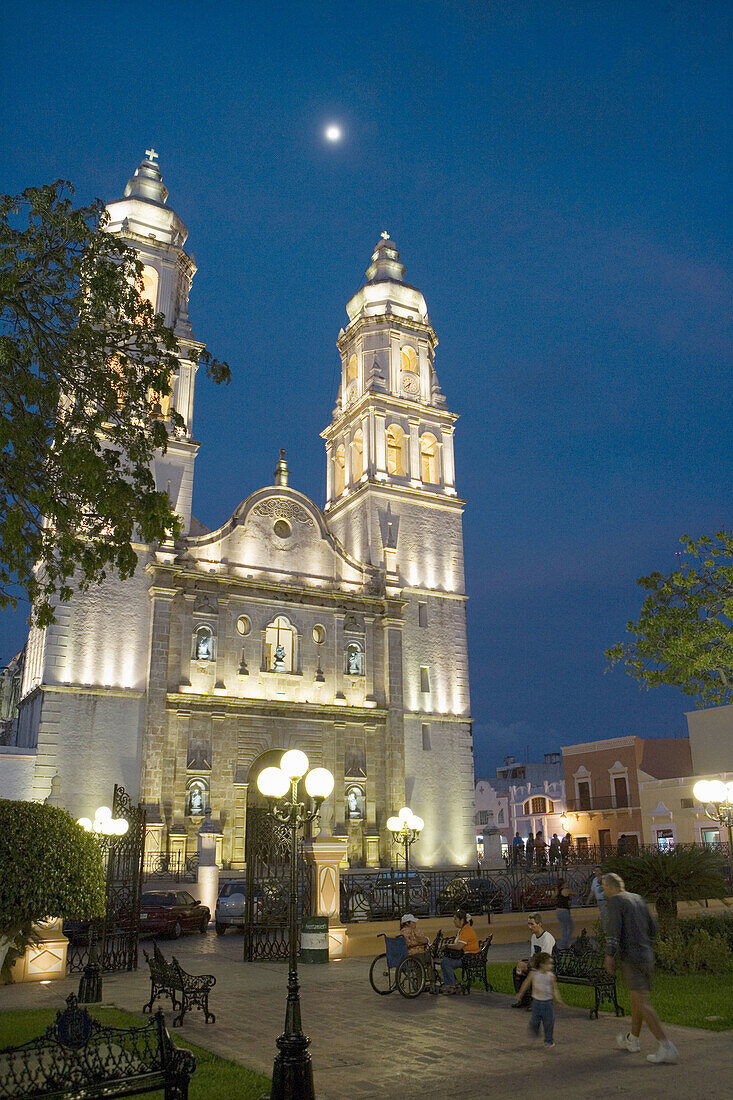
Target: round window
[[319, 634], [282, 529], [243, 625]]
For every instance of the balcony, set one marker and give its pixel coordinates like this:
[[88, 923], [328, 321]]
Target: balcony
[[597, 804]]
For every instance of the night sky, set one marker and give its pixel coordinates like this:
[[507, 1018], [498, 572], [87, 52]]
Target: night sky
[[556, 178]]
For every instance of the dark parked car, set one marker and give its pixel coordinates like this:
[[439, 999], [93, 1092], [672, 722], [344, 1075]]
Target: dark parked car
[[478, 895], [535, 895], [172, 913]]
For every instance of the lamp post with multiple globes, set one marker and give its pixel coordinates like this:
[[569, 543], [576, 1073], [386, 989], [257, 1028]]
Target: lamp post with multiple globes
[[405, 829], [292, 1077], [106, 828], [717, 799]]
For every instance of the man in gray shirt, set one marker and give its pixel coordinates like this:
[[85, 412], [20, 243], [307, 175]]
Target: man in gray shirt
[[630, 932]]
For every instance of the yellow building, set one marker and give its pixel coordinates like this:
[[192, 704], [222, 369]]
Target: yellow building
[[672, 815]]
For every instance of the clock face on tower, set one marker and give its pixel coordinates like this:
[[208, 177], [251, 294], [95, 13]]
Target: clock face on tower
[[410, 383]]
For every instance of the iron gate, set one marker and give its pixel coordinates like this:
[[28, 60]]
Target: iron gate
[[267, 856], [114, 937]]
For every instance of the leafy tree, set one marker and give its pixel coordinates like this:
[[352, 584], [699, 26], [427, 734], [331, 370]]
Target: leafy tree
[[81, 357], [51, 867], [684, 635], [686, 873]]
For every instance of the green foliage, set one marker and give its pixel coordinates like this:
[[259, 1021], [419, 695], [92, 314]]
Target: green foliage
[[686, 873], [50, 868], [81, 354], [684, 635], [696, 952], [717, 924]]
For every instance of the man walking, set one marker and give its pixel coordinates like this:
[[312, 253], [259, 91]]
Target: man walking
[[597, 893], [630, 932]]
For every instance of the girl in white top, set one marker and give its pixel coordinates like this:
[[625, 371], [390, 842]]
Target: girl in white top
[[543, 983]]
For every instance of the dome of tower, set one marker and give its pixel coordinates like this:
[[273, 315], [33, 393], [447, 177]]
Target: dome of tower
[[385, 263], [385, 289], [143, 209]]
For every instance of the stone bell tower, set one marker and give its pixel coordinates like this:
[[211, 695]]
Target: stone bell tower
[[143, 218], [392, 502]]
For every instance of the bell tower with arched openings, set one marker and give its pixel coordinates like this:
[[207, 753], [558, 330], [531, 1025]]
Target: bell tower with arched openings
[[392, 502], [145, 221]]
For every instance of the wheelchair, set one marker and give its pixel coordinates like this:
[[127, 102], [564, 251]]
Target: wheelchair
[[409, 974]]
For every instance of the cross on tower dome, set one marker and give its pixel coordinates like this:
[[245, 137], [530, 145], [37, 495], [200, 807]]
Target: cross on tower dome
[[385, 235], [151, 155]]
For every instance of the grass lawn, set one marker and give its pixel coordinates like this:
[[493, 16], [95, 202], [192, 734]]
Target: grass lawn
[[679, 999], [215, 1078]]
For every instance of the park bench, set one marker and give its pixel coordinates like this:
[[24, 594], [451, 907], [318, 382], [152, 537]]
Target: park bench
[[473, 967], [79, 1057], [186, 991], [585, 966]]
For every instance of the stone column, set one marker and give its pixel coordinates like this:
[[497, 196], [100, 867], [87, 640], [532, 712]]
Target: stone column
[[449, 472], [415, 473], [329, 472], [325, 854], [208, 872], [155, 734]]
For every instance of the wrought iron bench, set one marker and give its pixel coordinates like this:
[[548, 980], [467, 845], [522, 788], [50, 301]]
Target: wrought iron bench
[[473, 967], [586, 967], [186, 991], [77, 1056]]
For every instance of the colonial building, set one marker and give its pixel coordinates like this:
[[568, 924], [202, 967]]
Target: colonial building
[[340, 631]]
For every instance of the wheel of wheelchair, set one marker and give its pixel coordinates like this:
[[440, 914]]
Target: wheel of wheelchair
[[380, 976], [411, 977]]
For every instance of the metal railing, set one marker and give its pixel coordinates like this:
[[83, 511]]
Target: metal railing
[[176, 868]]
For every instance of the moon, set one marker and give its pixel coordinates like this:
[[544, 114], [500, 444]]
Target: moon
[[333, 132]]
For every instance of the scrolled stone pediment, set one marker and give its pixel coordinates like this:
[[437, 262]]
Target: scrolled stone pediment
[[281, 508]]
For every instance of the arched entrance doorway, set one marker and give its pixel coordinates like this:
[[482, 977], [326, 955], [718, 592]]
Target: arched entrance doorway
[[267, 858]]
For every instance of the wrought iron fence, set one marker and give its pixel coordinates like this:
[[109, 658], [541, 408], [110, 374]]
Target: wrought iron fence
[[177, 868], [382, 894]]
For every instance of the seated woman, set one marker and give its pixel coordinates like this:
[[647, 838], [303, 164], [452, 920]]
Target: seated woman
[[416, 942], [465, 942]]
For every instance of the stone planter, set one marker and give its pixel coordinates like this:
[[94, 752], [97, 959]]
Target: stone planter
[[46, 960]]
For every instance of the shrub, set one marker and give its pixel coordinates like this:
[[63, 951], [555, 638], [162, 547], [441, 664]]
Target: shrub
[[685, 873], [700, 951], [50, 866], [717, 924]]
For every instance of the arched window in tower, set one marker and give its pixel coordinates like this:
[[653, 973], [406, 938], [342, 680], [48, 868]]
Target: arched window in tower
[[280, 638], [352, 369], [396, 451], [410, 384], [357, 455], [149, 288], [339, 470], [429, 459], [160, 405]]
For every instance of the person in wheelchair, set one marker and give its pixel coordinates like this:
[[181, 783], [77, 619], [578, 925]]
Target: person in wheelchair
[[417, 943]]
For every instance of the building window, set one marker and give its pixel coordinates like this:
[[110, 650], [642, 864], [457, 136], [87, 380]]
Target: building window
[[620, 791], [583, 787], [339, 472], [408, 358], [352, 369], [429, 459], [319, 634], [665, 839], [687, 803], [424, 679], [357, 455], [244, 625], [422, 614], [500, 818], [149, 288], [710, 837], [538, 805], [203, 644], [581, 843], [426, 738], [483, 817], [280, 646], [396, 451]]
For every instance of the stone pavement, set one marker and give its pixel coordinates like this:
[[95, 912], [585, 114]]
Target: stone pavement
[[366, 1047]]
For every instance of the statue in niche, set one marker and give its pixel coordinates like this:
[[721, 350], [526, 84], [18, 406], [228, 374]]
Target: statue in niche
[[204, 646], [196, 800], [279, 665], [353, 802], [354, 662]]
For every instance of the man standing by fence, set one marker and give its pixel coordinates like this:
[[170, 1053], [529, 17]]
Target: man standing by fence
[[630, 932]]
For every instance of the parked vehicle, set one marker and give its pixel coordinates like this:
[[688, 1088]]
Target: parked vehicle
[[230, 906], [172, 913], [478, 895], [535, 895]]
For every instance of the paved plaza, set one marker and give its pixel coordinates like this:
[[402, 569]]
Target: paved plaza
[[365, 1046]]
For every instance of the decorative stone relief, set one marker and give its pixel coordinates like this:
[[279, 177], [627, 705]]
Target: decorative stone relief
[[354, 624], [283, 509]]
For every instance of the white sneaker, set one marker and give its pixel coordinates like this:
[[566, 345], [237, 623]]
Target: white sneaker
[[626, 1041], [665, 1052]]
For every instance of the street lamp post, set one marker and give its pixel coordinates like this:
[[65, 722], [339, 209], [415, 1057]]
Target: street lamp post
[[405, 829], [717, 799], [292, 1077], [105, 827]]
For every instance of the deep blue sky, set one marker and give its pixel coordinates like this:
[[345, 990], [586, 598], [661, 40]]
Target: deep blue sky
[[555, 176]]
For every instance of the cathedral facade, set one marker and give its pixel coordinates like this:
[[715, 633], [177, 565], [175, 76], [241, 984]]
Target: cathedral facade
[[340, 631]]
